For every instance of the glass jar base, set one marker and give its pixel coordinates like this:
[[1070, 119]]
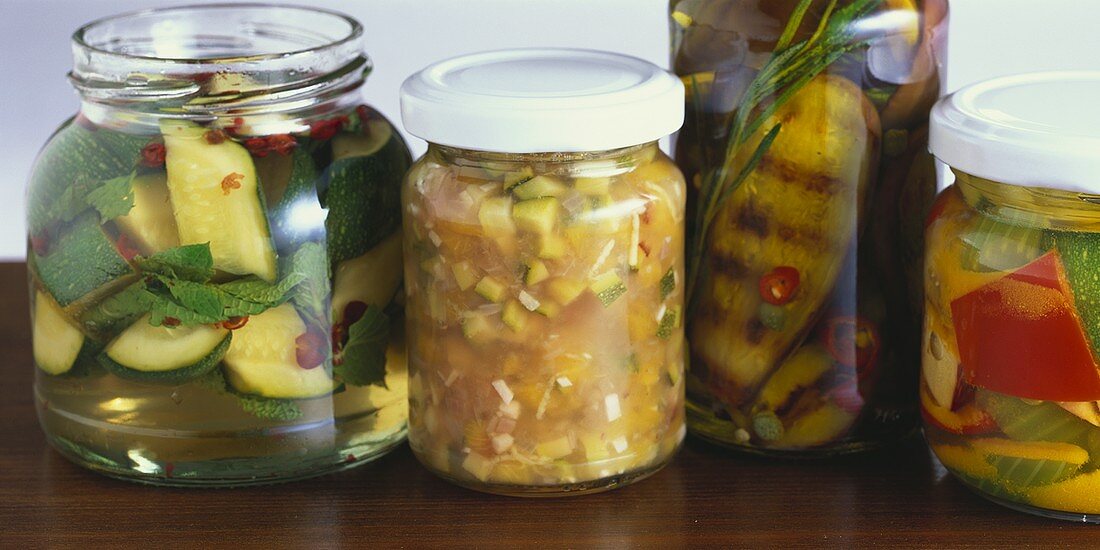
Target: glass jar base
[[579, 488], [1036, 511], [219, 459], [711, 430]]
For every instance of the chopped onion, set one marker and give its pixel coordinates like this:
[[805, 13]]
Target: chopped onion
[[502, 442], [436, 239], [528, 301], [565, 382], [620, 444], [611, 404], [451, 378], [503, 390], [510, 410]]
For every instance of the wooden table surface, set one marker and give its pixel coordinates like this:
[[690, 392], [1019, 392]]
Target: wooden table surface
[[706, 498]]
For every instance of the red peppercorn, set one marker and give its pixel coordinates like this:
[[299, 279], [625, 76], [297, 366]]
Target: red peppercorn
[[153, 155], [170, 322], [353, 312], [311, 349], [126, 247], [257, 146]]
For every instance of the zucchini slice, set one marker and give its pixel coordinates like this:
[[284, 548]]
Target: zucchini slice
[[150, 222], [363, 189], [263, 358], [56, 341], [216, 198], [163, 354], [82, 263], [372, 278]]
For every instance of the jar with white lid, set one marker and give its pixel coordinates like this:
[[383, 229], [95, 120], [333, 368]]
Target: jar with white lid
[[544, 262], [1010, 388]]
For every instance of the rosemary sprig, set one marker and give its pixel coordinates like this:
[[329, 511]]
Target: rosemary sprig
[[788, 69]]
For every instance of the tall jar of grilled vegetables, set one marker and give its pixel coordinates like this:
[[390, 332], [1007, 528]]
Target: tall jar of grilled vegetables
[[1010, 389], [804, 147], [214, 251], [544, 269]]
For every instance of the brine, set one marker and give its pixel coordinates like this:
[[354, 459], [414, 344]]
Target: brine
[[545, 317], [214, 304], [805, 148], [1010, 385]]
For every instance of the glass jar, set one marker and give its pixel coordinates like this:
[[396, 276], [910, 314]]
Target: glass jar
[[545, 289], [805, 145], [215, 251], [1010, 389]]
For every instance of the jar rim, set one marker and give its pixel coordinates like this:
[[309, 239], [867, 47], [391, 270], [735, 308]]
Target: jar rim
[[80, 36]]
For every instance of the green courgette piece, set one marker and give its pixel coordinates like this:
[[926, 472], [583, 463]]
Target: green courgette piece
[[81, 262], [163, 354], [1043, 421], [293, 217], [77, 159], [263, 358], [362, 189], [150, 223], [1080, 254], [1000, 246], [216, 199], [56, 342]]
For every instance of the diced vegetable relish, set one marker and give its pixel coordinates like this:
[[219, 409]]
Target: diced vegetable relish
[[541, 347]]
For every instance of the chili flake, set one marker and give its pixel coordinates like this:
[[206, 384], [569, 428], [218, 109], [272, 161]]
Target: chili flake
[[153, 155], [234, 323], [231, 182], [284, 144], [257, 146], [326, 129]]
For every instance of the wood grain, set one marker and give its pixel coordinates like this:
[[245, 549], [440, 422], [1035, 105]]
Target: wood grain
[[706, 498]]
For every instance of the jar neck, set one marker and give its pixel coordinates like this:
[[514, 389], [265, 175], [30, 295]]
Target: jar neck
[[605, 163], [287, 65], [1031, 206]]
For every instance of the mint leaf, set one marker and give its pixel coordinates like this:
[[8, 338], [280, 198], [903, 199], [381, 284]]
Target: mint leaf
[[200, 299], [192, 262], [260, 407], [114, 198], [119, 310], [364, 356], [310, 266]]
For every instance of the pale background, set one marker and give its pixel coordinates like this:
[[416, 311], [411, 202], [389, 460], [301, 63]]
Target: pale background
[[987, 38]]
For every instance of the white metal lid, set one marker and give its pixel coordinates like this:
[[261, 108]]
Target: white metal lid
[[542, 100], [1036, 130]]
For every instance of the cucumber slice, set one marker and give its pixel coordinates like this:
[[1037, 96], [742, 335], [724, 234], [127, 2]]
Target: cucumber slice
[[514, 315], [262, 359], [1044, 421], [566, 290], [216, 199], [466, 275], [491, 289], [55, 340], [535, 272], [363, 189], [150, 223], [670, 321], [297, 216], [372, 278], [111, 315], [82, 263], [162, 354]]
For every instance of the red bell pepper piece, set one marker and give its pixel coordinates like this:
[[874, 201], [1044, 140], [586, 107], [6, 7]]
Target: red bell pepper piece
[[1021, 336]]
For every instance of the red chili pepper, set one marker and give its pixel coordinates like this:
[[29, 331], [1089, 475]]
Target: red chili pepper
[[257, 146], [40, 243], [284, 144], [234, 323], [153, 155], [353, 312], [777, 287], [310, 351], [215, 137], [326, 129], [645, 216], [170, 322], [126, 247], [853, 342]]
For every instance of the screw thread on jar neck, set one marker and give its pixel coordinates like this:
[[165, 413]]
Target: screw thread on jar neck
[[1033, 206], [287, 65], [586, 164]]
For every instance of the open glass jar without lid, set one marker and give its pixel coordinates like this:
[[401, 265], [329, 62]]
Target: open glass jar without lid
[[1010, 386], [544, 269], [214, 251]]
